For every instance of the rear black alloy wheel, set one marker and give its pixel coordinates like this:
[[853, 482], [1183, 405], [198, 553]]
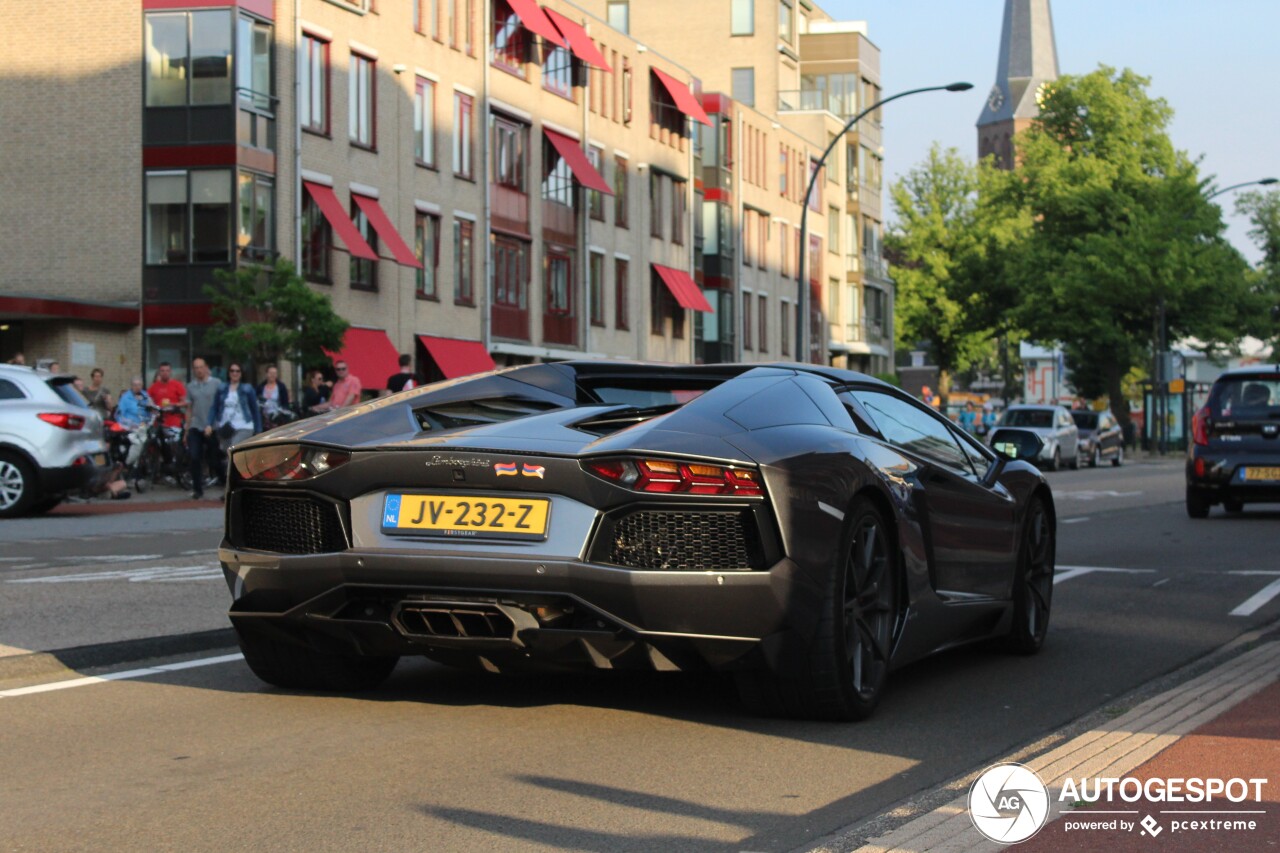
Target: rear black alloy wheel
[[294, 666], [1095, 458], [17, 485], [870, 610], [1033, 583], [1198, 503], [1056, 463]]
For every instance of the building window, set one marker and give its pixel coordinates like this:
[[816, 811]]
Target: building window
[[833, 230], [510, 142], [621, 294], [559, 284], [815, 184], [557, 71], [786, 22], [662, 305], [762, 302], [464, 261], [510, 39], [426, 247], [748, 237], [621, 196], [254, 42], [360, 100], [314, 108], [784, 328], [463, 106], [747, 326], [742, 18], [655, 204], [679, 207], [595, 198], [510, 273], [317, 241], [627, 100], [784, 164], [189, 217], [188, 58], [619, 15], [665, 115], [595, 286], [364, 272], [744, 86], [256, 238], [557, 186], [424, 122]]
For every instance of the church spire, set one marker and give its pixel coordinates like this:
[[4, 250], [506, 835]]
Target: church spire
[[1028, 60]]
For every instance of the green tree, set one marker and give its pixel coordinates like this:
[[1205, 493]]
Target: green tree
[[269, 314], [1120, 227], [949, 249], [1263, 210]]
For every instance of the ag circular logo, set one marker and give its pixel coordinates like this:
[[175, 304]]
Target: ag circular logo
[[1008, 803]]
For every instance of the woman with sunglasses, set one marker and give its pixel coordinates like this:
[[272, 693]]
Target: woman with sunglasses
[[235, 415]]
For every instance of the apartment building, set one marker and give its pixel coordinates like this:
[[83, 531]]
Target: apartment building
[[479, 182], [791, 77]]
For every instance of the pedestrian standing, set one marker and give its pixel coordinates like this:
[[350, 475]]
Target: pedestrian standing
[[346, 391], [97, 394], [968, 418], [170, 395], [235, 415], [315, 396], [203, 391], [273, 397], [402, 380]]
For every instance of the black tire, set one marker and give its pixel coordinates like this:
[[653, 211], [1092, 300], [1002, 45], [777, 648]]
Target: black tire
[[1075, 460], [852, 646], [17, 485], [41, 507], [1198, 503], [1033, 581], [1095, 458], [1118, 459], [1056, 462], [1232, 505], [297, 667]]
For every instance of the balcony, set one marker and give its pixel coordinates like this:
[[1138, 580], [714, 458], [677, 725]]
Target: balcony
[[808, 100], [874, 266]]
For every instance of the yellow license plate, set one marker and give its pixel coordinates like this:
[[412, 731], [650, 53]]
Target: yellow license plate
[[1262, 473], [100, 459], [471, 516]]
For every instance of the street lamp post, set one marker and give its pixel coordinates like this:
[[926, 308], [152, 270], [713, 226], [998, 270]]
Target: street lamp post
[[802, 302], [1160, 385]]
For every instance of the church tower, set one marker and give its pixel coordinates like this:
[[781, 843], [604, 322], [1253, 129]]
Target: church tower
[[1028, 61]]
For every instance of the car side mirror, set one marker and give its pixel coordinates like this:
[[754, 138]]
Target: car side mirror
[[1010, 444]]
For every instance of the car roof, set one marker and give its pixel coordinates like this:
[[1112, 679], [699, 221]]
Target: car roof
[[1044, 407], [1250, 370]]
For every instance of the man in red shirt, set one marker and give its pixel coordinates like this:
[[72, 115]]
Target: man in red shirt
[[346, 391], [167, 391]]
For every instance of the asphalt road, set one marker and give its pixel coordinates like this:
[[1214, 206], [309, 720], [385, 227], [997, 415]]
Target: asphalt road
[[209, 758]]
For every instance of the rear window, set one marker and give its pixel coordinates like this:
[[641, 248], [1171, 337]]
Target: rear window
[[1028, 418], [1246, 397], [1085, 420], [64, 389]]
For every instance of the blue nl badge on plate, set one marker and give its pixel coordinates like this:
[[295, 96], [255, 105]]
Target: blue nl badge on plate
[[391, 511]]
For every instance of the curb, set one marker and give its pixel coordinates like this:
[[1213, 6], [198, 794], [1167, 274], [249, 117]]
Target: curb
[[62, 661], [1112, 748]]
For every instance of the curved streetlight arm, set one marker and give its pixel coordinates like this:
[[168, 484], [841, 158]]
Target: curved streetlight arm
[[802, 303], [1260, 182]]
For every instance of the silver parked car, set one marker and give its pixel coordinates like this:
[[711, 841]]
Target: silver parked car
[[1055, 426], [50, 440]]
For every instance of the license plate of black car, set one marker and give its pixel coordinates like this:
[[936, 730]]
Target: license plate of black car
[[466, 516]]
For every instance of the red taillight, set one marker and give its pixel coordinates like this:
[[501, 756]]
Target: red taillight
[[1200, 467], [1200, 427], [670, 477], [62, 420], [114, 426]]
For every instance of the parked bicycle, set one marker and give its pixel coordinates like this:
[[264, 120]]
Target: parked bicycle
[[162, 457]]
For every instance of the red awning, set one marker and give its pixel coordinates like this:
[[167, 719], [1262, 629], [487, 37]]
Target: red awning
[[535, 21], [685, 101], [579, 42], [581, 167], [369, 355], [683, 288], [378, 219], [458, 358], [339, 221]]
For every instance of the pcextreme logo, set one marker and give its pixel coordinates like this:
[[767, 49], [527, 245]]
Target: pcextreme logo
[[1008, 803]]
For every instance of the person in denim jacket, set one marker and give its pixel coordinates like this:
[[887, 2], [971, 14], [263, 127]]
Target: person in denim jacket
[[235, 415]]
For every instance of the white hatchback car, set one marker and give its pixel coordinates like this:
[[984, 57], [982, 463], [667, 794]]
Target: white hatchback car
[[50, 440], [1055, 426]]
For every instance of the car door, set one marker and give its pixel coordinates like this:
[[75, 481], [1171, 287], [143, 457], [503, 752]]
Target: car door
[[969, 526], [1108, 435], [1068, 435]]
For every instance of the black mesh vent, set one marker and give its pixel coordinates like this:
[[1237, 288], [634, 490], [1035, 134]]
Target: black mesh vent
[[702, 540], [289, 524]]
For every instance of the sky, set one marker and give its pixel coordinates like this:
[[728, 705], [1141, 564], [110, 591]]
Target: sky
[[1216, 63]]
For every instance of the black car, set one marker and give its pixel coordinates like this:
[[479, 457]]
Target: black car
[[1101, 437], [1234, 456], [804, 527]]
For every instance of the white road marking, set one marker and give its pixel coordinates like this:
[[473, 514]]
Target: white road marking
[[1094, 494], [119, 558], [1066, 573], [125, 675], [16, 559], [1259, 599], [1076, 520], [200, 572]]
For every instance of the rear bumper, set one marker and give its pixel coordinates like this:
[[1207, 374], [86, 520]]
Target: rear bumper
[[1219, 476], [58, 481], [547, 612]]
